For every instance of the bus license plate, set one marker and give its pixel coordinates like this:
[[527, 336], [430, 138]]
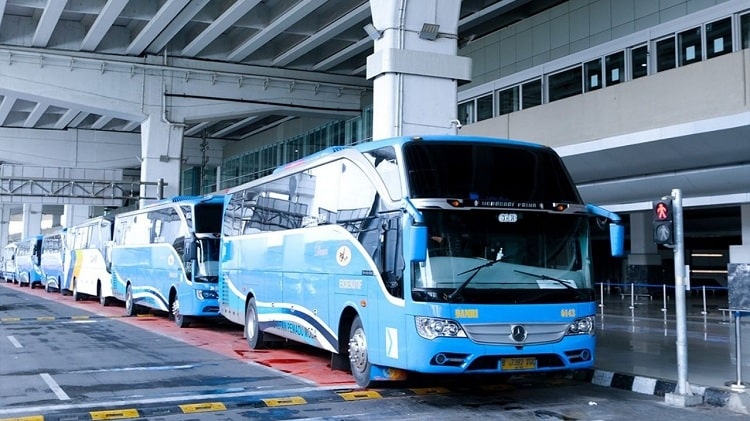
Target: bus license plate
[[525, 363]]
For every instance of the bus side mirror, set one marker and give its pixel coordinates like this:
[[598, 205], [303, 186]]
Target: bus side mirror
[[617, 239], [190, 252], [418, 241]]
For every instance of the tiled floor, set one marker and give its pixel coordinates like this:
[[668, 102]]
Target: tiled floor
[[637, 337]]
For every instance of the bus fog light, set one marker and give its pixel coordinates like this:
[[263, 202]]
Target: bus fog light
[[203, 294], [584, 325], [433, 327]]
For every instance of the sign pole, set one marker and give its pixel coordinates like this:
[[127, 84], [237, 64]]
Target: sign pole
[[683, 388]]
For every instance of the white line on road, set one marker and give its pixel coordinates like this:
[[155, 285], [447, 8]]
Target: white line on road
[[55, 387], [15, 342]]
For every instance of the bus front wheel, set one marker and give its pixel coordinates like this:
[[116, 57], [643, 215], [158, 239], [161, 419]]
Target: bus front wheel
[[360, 364], [253, 334], [129, 303], [179, 319]]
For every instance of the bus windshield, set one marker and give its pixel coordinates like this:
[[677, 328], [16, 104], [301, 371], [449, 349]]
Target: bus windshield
[[504, 256], [487, 171]]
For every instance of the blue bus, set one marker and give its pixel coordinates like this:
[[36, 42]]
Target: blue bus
[[434, 254], [166, 256], [53, 261], [28, 260], [88, 269]]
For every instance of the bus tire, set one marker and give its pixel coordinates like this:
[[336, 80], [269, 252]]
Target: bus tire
[[76, 294], [130, 309], [358, 359], [104, 301], [180, 320], [253, 334]]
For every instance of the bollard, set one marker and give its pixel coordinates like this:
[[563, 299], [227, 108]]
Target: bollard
[[632, 295], [739, 385], [705, 310], [601, 297]]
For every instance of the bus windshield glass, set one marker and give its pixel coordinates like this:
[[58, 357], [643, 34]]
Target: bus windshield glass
[[488, 172], [502, 256]]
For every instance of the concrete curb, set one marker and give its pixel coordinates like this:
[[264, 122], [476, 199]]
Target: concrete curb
[[733, 401]]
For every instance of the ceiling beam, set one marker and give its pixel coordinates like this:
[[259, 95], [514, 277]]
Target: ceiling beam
[[35, 115], [66, 119], [47, 23], [102, 24], [345, 54], [176, 25], [323, 35], [273, 29], [218, 26], [5, 107], [155, 26]]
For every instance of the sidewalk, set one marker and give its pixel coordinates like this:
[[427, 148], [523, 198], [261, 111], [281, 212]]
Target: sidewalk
[[636, 345]]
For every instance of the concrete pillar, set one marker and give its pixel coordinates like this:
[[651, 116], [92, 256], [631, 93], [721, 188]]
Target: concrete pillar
[[74, 215], [4, 224], [644, 262], [741, 253], [161, 146], [32, 220], [415, 73]]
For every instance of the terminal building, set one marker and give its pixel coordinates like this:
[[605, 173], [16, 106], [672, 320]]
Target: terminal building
[[110, 104]]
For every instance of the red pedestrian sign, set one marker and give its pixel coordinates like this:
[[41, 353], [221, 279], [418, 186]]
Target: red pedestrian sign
[[662, 211]]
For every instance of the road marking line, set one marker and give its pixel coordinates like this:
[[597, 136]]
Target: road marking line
[[15, 342], [55, 387]]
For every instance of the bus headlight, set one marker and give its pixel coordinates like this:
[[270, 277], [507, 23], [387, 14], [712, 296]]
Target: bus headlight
[[432, 327], [584, 325], [204, 294]]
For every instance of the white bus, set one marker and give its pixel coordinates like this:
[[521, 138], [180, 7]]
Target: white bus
[[89, 272]]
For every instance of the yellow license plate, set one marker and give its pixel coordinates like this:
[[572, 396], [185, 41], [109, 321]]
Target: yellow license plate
[[524, 363]]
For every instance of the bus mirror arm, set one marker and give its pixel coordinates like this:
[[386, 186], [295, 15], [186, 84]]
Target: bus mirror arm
[[616, 229]]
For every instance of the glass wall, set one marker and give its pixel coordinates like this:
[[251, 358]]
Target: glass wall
[[254, 164]]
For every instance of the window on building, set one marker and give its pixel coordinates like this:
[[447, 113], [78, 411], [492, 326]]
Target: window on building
[[466, 112], [484, 107], [531, 93], [615, 65], [593, 72], [719, 38], [665, 54], [690, 46], [639, 61], [565, 84], [507, 101], [745, 30]]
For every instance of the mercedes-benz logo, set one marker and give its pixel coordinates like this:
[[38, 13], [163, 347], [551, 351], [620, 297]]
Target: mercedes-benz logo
[[518, 333]]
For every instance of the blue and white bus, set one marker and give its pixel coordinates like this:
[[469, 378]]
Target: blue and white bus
[[435, 254], [166, 257], [28, 260], [53, 260], [88, 271]]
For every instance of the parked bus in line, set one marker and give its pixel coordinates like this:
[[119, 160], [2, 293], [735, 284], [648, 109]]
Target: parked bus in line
[[165, 256], [52, 260], [88, 273], [434, 254], [8, 263], [28, 259]]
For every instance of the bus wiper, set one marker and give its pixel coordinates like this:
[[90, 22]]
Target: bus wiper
[[546, 277], [476, 270]]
